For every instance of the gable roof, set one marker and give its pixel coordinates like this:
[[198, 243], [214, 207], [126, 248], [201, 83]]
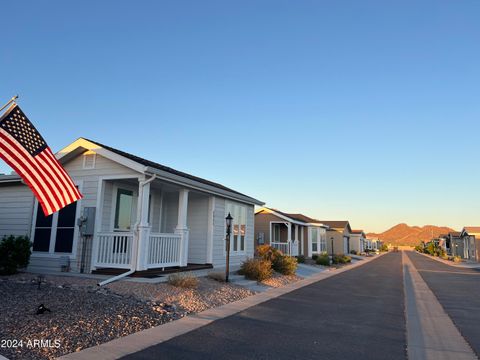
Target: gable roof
[[472, 229], [146, 166], [336, 224], [454, 233], [305, 220], [358, 232]]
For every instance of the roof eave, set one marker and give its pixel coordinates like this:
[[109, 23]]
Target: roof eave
[[201, 186]]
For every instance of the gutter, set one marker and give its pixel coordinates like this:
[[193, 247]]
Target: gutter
[[135, 258]]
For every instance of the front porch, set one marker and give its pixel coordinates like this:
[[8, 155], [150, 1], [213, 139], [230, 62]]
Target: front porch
[[286, 237], [149, 225]]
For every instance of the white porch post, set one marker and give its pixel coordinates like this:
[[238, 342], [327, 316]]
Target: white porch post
[[289, 238], [211, 210], [143, 225], [182, 227], [302, 232]]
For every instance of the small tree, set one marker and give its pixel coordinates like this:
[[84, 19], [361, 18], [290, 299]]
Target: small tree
[[14, 254]]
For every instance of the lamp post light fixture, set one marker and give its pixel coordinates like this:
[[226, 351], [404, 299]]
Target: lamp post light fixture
[[228, 221], [331, 239]]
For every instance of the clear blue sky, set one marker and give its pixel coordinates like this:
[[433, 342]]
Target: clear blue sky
[[360, 110]]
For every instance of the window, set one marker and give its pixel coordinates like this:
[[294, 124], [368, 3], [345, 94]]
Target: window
[[55, 233], [123, 210], [314, 240], [239, 226], [89, 160], [323, 242]]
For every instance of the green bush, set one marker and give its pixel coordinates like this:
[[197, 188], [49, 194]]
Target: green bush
[[14, 254], [341, 259], [419, 248], [286, 265], [323, 259], [353, 252], [457, 259], [301, 259], [384, 248], [256, 269], [315, 257], [266, 252]]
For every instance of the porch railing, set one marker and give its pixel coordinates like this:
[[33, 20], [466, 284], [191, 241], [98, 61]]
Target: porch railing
[[288, 248], [164, 250], [114, 250]]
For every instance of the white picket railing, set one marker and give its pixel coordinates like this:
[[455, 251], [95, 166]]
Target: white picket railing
[[114, 250], [288, 248], [164, 250], [284, 247]]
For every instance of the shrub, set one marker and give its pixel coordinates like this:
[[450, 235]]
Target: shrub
[[15, 254], [419, 248], [266, 252], [286, 265], [384, 248], [183, 280], [315, 257], [301, 259], [323, 259], [217, 276], [353, 252], [341, 259], [256, 269], [457, 258]]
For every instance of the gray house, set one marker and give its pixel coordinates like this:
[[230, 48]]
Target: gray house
[[135, 215]]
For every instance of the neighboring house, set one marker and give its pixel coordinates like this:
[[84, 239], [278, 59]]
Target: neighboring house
[[471, 242], [357, 241], [338, 235], [293, 234], [456, 244], [144, 216]]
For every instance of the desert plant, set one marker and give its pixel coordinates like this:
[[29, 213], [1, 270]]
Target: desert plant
[[384, 248], [256, 269], [353, 252], [341, 259], [315, 257], [15, 254], [267, 252], [183, 280], [419, 248], [217, 276], [301, 259], [457, 258], [323, 259], [286, 265]]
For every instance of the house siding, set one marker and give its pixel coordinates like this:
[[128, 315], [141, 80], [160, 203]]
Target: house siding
[[219, 235], [197, 220], [16, 207], [262, 225]]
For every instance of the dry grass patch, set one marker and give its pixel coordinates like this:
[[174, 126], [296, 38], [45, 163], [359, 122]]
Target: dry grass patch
[[186, 281]]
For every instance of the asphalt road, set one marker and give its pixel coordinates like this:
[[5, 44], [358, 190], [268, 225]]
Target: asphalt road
[[458, 291], [358, 314]]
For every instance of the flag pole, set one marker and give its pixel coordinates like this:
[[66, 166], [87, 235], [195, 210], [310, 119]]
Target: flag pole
[[12, 100]]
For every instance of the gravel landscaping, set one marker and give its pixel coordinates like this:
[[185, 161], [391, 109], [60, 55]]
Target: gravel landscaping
[[83, 315], [279, 280]]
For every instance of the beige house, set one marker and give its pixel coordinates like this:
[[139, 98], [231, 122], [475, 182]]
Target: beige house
[[455, 243], [338, 236], [293, 234], [357, 241], [470, 235]]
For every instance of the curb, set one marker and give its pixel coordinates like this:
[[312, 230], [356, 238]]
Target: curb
[[135, 342]]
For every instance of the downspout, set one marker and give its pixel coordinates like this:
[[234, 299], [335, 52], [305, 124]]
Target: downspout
[[134, 259]]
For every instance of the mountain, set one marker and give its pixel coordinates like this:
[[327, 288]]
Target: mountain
[[402, 234]]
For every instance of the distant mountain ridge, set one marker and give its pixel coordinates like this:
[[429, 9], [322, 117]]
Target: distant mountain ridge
[[403, 234]]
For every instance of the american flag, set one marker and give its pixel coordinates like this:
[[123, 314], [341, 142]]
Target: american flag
[[24, 149]]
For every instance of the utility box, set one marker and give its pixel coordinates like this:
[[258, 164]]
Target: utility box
[[87, 221]]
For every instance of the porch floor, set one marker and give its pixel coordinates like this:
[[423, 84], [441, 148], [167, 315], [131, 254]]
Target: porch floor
[[153, 273]]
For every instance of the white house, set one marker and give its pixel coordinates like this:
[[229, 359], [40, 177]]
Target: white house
[[357, 241], [138, 215]]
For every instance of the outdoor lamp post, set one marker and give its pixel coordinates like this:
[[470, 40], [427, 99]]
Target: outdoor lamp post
[[228, 221], [331, 239]]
